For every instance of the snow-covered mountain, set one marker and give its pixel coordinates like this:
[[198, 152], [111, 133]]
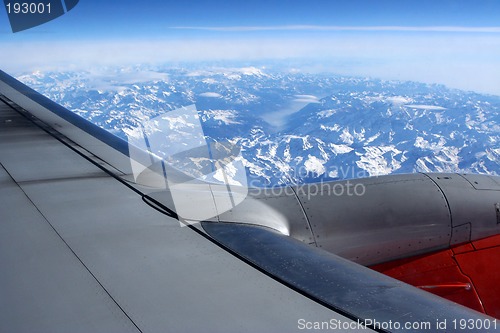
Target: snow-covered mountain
[[294, 127]]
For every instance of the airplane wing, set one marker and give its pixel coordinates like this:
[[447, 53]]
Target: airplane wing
[[84, 249]]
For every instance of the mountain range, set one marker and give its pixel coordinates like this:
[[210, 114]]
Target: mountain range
[[295, 127]]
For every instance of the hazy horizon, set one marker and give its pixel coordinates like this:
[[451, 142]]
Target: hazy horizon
[[455, 43]]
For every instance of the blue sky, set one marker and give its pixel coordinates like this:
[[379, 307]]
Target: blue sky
[[452, 42], [154, 18]]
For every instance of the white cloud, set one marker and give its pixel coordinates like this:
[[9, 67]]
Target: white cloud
[[425, 107], [210, 95]]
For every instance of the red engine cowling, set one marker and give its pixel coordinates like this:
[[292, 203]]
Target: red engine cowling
[[468, 274]]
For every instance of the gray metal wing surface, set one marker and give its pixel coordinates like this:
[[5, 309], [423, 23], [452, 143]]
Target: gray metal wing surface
[[81, 251], [84, 250]]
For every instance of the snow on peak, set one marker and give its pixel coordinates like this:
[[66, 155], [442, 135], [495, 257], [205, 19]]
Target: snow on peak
[[225, 116], [251, 71], [347, 137], [326, 113], [398, 100], [376, 160], [315, 165]]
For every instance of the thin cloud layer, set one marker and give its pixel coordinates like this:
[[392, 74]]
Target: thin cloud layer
[[460, 60], [456, 29]]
